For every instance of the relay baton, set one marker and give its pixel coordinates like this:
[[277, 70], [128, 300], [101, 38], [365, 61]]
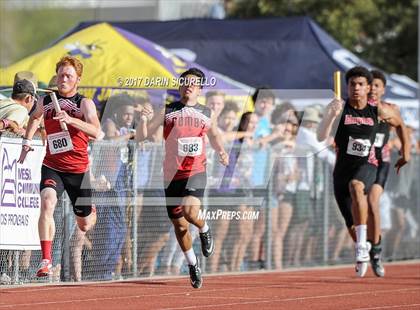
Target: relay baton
[[57, 109], [337, 84]]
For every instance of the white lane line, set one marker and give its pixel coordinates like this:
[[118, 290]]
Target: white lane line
[[289, 299], [389, 307], [190, 294]]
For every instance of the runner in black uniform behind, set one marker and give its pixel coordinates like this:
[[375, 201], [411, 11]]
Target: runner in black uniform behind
[[383, 156], [355, 172]]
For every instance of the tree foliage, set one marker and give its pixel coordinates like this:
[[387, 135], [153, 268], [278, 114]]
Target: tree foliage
[[25, 32], [383, 32]]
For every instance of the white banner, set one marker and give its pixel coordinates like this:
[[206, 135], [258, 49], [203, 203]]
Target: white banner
[[20, 200]]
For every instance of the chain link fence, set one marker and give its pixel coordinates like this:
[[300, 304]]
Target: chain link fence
[[277, 212]]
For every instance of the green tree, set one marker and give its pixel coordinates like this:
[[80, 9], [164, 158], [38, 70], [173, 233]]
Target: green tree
[[25, 32], [383, 32]]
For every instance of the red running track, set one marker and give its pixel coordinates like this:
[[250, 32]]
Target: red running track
[[326, 288]]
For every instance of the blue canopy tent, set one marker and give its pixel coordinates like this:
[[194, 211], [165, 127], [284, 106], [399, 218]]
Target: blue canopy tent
[[283, 53]]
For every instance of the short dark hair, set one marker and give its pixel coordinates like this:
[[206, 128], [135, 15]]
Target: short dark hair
[[230, 106], [376, 74], [262, 93], [359, 71], [278, 116], [196, 72]]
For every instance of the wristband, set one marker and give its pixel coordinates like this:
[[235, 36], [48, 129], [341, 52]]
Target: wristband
[[26, 142]]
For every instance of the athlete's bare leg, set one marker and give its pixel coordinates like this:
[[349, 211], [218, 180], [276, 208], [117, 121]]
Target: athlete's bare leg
[[182, 233], [191, 206], [374, 218], [360, 202], [352, 233], [76, 242], [360, 214], [46, 224], [86, 223]]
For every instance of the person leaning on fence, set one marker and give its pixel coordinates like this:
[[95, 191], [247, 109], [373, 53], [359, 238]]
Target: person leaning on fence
[[264, 100], [227, 124], [14, 111], [119, 129], [14, 116], [153, 227], [236, 184], [284, 177], [65, 166]]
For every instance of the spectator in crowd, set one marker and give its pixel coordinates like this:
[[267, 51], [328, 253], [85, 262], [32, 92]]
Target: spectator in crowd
[[311, 153], [14, 116], [226, 123], [153, 226], [403, 191], [215, 101], [264, 100], [284, 179], [237, 182], [14, 111], [110, 247]]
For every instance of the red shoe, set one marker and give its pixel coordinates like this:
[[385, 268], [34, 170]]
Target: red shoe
[[44, 269]]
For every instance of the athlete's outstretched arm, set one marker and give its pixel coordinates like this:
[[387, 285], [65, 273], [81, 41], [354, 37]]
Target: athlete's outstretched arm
[[216, 142], [390, 114], [147, 127], [34, 121], [90, 125], [330, 119]]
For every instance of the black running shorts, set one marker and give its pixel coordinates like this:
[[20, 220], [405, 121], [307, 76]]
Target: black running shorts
[[382, 174], [365, 173], [77, 185], [176, 190]]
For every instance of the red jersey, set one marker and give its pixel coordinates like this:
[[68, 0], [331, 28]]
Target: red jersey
[[184, 130], [75, 160]]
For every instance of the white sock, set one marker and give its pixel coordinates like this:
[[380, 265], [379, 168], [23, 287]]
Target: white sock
[[205, 228], [190, 257], [361, 233]]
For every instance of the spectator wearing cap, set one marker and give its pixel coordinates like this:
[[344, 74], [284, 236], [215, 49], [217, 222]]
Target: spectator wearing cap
[[13, 117], [307, 135], [16, 108]]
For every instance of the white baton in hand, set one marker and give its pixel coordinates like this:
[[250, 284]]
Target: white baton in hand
[[57, 109]]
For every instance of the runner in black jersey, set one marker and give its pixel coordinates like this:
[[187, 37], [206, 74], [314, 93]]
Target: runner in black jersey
[[356, 122], [382, 154]]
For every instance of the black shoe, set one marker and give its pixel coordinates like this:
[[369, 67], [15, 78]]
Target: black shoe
[[376, 261], [195, 275], [207, 243]]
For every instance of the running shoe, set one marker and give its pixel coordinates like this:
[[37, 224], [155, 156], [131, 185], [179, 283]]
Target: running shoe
[[376, 260], [44, 268], [207, 243], [195, 275], [362, 258]]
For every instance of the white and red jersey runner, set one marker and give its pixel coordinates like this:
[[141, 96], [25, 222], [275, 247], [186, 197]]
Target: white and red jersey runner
[[184, 130], [75, 160]]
